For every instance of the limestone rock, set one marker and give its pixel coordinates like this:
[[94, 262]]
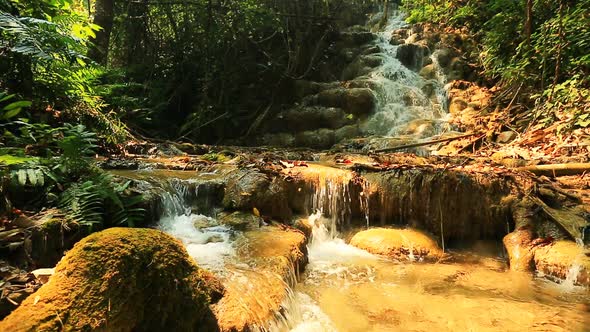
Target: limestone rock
[[398, 244], [247, 189], [520, 249], [318, 139], [254, 296], [358, 101], [122, 279], [564, 258], [428, 72]]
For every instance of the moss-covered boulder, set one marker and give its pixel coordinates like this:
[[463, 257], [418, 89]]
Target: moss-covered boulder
[[401, 244], [122, 279]]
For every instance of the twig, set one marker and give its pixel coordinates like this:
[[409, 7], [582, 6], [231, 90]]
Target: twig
[[413, 145]]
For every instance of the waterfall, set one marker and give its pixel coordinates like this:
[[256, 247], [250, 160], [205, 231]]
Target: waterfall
[[402, 94]]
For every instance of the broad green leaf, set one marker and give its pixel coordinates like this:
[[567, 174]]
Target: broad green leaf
[[17, 104], [12, 113], [14, 160]]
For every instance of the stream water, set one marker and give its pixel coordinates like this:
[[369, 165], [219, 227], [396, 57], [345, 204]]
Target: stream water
[[345, 288]]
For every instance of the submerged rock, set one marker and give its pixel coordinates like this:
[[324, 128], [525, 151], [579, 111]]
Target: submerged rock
[[122, 279], [400, 244]]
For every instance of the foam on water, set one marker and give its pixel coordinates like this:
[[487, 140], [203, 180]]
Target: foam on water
[[210, 247]]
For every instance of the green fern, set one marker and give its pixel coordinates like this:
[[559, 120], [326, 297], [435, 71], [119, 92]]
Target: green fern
[[101, 200]]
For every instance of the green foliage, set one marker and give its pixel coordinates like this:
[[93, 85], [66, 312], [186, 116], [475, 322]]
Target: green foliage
[[11, 108], [78, 146], [553, 68], [99, 200]]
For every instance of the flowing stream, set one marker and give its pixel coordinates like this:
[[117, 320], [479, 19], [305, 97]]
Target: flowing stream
[[345, 288]]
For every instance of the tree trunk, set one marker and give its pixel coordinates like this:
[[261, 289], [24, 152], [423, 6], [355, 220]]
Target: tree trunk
[[528, 25], [103, 16]]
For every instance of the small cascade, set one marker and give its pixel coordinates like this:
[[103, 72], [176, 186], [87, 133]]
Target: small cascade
[[207, 243], [569, 283], [336, 194]]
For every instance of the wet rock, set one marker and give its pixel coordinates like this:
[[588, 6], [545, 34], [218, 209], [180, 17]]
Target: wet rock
[[122, 279], [428, 72], [412, 55], [201, 221], [444, 56], [356, 38], [420, 128], [317, 139], [372, 49], [396, 40], [520, 249], [429, 89], [254, 295], [402, 244], [358, 101], [564, 260], [240, 220], [247, 189]]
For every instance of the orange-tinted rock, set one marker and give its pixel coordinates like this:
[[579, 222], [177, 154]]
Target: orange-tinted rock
[[564, 259], [400, 244], [520, 249], [271, 257]]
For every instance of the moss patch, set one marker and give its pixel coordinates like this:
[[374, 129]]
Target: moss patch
[[121, 279]]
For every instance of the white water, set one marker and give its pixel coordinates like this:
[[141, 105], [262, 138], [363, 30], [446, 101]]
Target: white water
[[399, 90], [209, 246]]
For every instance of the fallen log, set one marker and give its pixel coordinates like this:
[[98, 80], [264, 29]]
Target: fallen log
[[555, 170], [415, 145]]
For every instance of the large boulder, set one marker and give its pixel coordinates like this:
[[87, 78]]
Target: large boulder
[[401, 244], [247, 189], [122, 279], [358, 101], [412, 55]]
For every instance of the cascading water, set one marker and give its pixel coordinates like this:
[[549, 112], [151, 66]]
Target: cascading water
[[402, 94], [208, 244]]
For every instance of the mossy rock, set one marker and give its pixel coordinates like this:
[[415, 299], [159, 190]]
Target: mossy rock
[[122, 279]]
